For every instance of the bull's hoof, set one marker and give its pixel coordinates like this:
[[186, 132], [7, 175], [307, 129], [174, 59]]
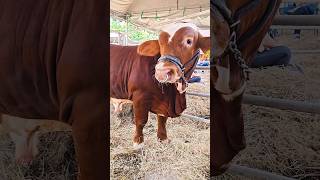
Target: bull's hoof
[[165, 141], [24, 160], [137, 146], [216, 171]]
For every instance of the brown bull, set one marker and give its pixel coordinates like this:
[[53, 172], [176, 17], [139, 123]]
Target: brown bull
[[53, 66], [151, 75], [249, 20]]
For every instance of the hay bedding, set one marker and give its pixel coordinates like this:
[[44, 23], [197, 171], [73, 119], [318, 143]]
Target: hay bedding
[[185, 157], [284, 142]]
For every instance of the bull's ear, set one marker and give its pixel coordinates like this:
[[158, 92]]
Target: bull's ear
[[149, 48], [204, 43]]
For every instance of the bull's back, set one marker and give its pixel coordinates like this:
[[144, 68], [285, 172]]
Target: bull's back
[[32, 35], [122, 62]]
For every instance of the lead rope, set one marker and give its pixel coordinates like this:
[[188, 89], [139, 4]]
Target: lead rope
[[194, 59], [220, 5], [233, 47], [162, 88], [183, 80]]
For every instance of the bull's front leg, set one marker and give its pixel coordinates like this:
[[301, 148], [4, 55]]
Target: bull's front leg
[[162, 131], [140, 110], [89, 128]]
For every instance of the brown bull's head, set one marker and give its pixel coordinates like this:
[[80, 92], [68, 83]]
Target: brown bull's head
[[180, 47]]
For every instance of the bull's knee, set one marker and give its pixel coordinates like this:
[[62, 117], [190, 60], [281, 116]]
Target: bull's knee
[[141, 110]]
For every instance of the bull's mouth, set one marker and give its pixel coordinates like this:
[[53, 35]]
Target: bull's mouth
[[166, 74]]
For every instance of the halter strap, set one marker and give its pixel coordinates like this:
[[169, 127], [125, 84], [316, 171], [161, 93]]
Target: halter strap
[[194, 59], [177, 62]]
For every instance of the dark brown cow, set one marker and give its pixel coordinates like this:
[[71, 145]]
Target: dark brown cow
[[53, 66], [246, 21], [155, 85]]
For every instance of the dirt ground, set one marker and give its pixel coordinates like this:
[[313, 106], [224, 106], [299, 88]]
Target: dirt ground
[[283, 142]]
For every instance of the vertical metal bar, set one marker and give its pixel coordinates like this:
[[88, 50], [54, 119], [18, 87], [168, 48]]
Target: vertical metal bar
[[127, 29], [177, 4]]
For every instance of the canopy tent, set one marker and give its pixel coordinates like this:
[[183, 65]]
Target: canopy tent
[[155, 14]]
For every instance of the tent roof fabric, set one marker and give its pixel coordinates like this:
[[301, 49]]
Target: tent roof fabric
[[155, 14]]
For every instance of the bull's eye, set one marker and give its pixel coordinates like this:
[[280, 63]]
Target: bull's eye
[[189, 42]]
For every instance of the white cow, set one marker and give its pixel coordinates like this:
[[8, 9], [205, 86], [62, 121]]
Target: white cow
[[25, 134]]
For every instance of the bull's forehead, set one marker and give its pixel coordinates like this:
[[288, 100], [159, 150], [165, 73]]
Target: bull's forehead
[[173, 28]]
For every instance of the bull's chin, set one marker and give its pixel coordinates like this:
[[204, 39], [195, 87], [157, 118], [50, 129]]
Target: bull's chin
[[168, 79]]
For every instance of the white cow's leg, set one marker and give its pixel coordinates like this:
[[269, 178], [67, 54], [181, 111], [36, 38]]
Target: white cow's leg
[[24, 134], [26, 143], [118, 104]]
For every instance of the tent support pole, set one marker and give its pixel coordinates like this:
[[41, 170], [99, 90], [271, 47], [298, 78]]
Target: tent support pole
[[127, 29]]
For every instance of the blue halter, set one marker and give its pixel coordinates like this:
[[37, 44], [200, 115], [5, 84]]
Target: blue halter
[[177, 62]]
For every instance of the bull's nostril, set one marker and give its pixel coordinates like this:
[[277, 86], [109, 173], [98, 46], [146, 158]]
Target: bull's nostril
[[162, 77], [166, 79], [161, 70], [166, 74]]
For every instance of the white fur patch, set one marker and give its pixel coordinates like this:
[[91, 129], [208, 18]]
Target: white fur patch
[[137, 146], [222, 83], [180, 88], [118, 103], [230, 97]]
